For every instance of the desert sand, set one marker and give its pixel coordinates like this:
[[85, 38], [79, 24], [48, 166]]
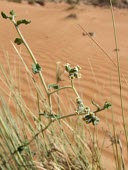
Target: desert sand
[[53, 37]]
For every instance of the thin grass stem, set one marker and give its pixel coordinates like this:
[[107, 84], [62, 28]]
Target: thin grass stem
[[102, 49], [119, 74]]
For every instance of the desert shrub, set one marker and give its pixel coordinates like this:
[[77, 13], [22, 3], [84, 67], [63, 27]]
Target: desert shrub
[[31, 2], [17, 1], [72, 1], [116, 3]]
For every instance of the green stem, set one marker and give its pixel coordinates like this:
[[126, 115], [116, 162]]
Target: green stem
[[61, 88], [42, 130], [98, 110], [66, 116], [74, 89], [31, 54]]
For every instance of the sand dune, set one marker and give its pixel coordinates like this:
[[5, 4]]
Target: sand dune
[[55, 37]]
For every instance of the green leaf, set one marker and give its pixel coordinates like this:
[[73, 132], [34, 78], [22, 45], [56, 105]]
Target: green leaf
[[18, 41], [20, 148], [23, 22], [36, 68], [4, 15], [107, 105], [50, 115], [12, 13], [54, 86]]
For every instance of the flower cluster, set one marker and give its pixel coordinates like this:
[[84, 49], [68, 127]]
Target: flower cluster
[[73, 72], [89, 117]]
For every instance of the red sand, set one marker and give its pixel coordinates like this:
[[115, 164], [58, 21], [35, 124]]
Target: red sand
[[53, 37]]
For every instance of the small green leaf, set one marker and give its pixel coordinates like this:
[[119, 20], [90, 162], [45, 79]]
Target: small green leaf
[[12, 13], [23, 22], [4, 15], [107, 105], [36, 68], [20, 148], [54, 86], [18, 41]]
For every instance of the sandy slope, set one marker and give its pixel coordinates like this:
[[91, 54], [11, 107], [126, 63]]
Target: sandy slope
[[54, 37]]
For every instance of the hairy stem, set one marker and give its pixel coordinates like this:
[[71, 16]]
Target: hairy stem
[[61, 88], [31, 54], [74, 89]]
